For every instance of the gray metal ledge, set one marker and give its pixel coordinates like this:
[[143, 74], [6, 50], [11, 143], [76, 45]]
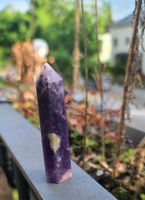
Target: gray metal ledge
[[24, 143]]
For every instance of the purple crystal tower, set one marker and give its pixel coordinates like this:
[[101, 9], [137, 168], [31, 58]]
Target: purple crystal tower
[[52, 115]]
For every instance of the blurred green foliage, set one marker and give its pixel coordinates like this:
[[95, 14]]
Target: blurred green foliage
[[14, 26], [143, 196], [117, 72], [15, 194], [54, 22], [128, 155], [121, 193]]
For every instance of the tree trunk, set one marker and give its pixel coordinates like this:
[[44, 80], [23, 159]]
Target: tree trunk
[[127, 83], [76, 48]]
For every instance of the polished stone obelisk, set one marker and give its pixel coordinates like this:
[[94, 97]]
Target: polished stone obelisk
[[53, 124]]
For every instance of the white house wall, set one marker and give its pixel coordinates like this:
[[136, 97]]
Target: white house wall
[[143, 56], [120, 34], [106, 46]]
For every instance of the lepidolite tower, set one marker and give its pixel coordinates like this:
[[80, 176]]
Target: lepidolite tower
[[53, 124]]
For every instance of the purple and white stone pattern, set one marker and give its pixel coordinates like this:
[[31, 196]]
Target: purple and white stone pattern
[[53, 124]]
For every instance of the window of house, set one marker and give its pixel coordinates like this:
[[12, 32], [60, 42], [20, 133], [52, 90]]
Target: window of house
[[115, 42], [127, 40]]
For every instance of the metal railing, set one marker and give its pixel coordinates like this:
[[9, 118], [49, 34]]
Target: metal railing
[[21, 158]]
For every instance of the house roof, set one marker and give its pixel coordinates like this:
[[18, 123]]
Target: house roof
[[127, 21]]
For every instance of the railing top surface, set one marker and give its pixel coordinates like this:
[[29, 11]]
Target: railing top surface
[[24, 143]]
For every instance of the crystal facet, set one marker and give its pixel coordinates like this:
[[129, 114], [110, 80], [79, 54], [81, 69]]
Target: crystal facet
[[52, 115]]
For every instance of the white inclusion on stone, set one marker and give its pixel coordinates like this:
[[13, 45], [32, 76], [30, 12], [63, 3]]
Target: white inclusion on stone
[[54, 141]]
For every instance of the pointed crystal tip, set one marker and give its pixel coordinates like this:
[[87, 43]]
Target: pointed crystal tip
[[49, 73]]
